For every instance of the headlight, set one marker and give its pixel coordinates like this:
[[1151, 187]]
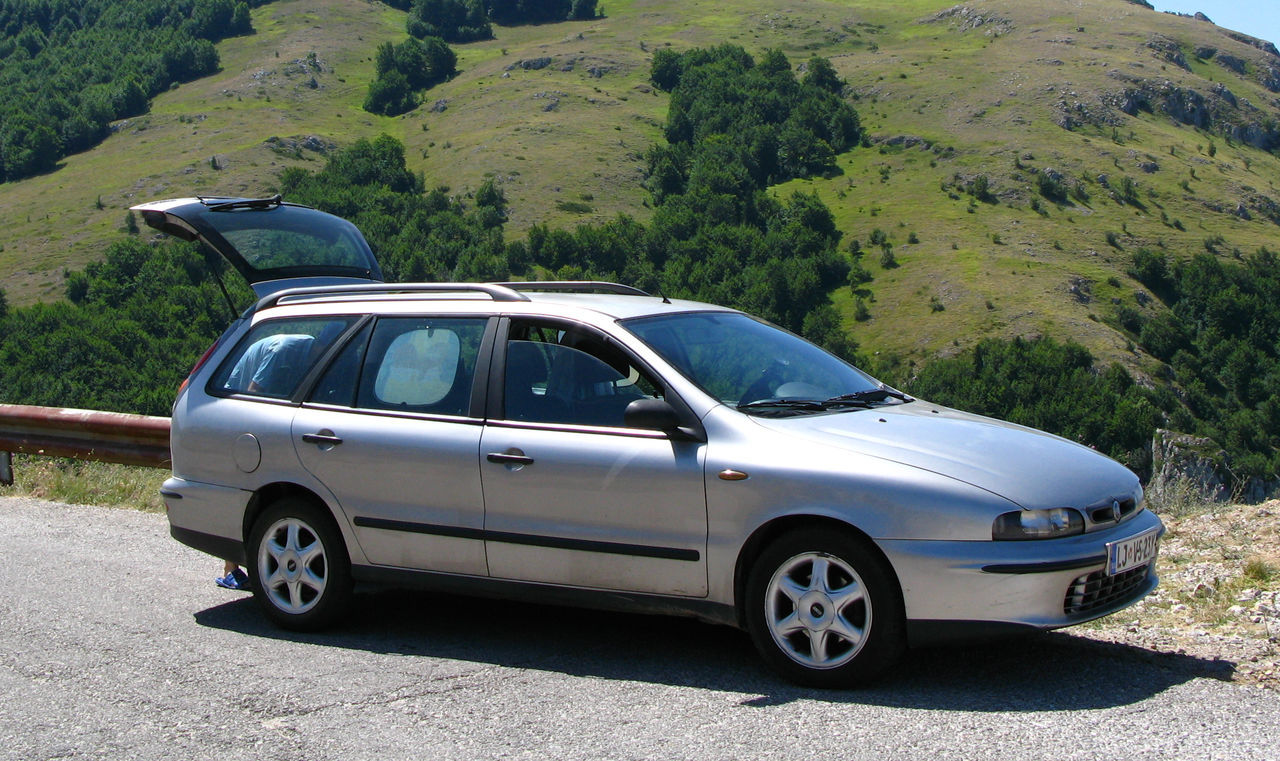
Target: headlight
[[1038, 524]]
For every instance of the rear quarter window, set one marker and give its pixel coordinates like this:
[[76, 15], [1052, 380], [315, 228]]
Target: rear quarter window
[[274, 357]]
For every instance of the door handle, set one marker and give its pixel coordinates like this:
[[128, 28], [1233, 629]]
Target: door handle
[[321, 438], [509, 458]]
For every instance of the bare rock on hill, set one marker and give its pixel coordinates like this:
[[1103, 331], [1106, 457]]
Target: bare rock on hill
[[905, 141], [1262, 45], [531, 64], [1168, 50], [1264, 205], [1270, 78], [967, 19], [1232, 63], [1179, 458], [1181, 461], [297, 144], [1218, 111]]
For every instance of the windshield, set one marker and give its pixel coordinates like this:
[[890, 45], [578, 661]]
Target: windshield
[[755, 366]]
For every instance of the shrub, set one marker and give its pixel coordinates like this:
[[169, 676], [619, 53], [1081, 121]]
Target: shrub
[[1050, 187]]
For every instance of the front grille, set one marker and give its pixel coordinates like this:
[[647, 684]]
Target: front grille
[[1098, 591], [1106, 514]]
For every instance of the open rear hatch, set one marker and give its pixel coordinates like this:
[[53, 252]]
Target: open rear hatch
[[274, 245]]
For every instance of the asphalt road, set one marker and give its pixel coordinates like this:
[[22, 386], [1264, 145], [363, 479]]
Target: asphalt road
[[115, 643]]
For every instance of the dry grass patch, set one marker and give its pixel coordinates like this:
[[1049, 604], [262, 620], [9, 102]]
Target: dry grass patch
[[86, 483]]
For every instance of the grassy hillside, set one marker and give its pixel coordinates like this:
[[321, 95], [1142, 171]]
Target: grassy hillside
[[947, 95], [984, 91]]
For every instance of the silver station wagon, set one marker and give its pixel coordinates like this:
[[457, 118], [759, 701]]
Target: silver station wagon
[[590, 444]]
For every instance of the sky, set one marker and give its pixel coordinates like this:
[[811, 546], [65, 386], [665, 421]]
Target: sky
[[1257, 18]]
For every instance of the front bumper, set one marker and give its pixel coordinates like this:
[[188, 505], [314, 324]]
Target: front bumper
[[972, 587]]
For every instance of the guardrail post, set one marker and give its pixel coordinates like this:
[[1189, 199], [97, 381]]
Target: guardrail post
[[6, 468]]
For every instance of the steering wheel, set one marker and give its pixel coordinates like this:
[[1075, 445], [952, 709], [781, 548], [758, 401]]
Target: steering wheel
[[762, 387]]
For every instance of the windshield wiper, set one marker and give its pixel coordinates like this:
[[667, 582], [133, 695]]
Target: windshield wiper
[[869, 395], [861, 399], [786, 404], [247, 203]]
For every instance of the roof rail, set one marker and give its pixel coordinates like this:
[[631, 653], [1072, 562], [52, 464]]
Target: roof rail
[[575, 286], [495, 291]]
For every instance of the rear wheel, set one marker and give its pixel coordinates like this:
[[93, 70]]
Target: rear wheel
[[302, 574], [824, 609]]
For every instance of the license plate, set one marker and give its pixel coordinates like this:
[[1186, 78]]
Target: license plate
[[1132, 553]]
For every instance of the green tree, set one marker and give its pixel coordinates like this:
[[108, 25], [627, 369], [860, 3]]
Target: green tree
[[390, 95], [451, 20], [822, 74]]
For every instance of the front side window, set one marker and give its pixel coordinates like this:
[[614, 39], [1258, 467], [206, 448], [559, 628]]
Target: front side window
[[566, 374], [276, 355], [421, 364]]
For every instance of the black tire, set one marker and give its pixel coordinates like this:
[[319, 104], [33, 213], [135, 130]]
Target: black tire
[[299, 565], [839, 628]]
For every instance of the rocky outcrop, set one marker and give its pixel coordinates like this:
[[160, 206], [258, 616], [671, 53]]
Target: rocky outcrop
[[905, 141], [1218, 111], [1232, 63], [1168, 50], [295, 145], [531, 64], [968, 19], [1270, 78], [1182, 463], [1264, 205], [1262, 45]]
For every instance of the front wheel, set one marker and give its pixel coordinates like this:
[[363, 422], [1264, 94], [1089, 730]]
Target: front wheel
[[302, 575], [824, 610]]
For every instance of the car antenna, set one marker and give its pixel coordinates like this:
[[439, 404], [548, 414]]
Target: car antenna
[[665, 300]]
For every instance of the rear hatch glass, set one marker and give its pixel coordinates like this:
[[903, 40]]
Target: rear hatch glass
[[269, 241]]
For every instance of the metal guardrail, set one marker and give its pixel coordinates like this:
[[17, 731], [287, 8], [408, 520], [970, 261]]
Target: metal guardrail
[[84, 435]]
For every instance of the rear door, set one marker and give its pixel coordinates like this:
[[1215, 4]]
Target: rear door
[[274, 245], [392, 431]]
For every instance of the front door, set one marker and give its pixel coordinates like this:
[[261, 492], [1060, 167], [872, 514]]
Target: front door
[[572, 495]]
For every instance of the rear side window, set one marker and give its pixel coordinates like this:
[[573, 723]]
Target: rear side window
[[276, 355], [420, 364]]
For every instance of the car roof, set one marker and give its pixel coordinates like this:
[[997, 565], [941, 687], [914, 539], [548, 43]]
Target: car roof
[[623, 307]]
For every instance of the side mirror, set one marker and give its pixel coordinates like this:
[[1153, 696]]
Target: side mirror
[[658, 415]]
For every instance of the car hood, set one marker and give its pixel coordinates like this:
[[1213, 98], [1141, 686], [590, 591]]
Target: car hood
[[1029, 467]]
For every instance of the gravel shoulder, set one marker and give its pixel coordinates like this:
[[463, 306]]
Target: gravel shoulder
[[1219, 594]]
